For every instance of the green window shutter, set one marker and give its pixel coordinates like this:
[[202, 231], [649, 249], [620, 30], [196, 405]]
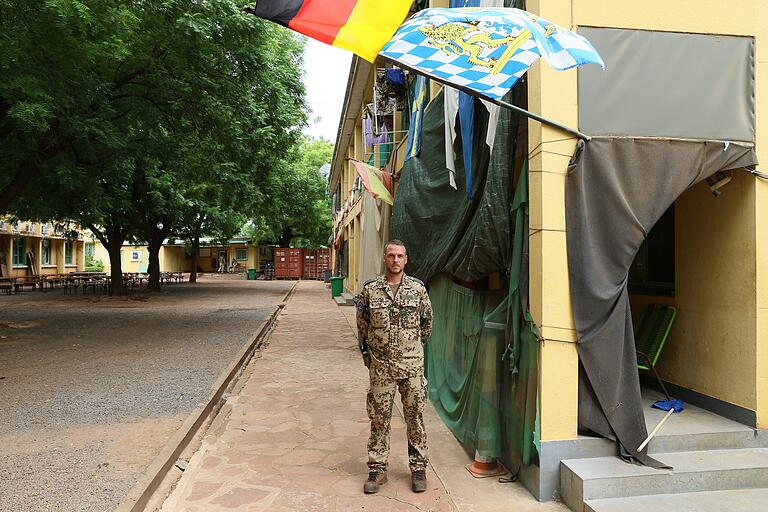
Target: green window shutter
[[19, 251]]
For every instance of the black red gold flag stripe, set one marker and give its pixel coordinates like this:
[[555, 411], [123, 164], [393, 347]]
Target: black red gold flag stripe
[[360, 26]]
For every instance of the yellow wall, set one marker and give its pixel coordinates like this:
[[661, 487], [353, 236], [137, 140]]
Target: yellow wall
[[554, 95], [33, 242], [253, 259], [100, 254], [172, 259], [359, 151], [129, 264], [761, 213], [712, 345]]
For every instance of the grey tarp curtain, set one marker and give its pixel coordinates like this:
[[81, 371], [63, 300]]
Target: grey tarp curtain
[[616, 190], [374, 233]]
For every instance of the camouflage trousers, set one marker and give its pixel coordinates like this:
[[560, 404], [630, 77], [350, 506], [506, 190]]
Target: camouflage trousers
[[381, 397]]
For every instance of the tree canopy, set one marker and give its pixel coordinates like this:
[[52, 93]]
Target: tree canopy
[[296, 205], [142, 119]]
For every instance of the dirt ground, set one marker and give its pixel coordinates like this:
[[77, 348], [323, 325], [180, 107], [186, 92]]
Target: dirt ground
[[92, 386]]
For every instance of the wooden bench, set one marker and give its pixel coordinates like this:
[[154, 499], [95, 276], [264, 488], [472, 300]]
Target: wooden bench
[[31, 281], [52, 281], [95, 283], [7, 284]]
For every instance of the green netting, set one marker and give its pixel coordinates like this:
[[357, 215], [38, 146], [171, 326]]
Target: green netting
[[481, 359], [437, 222]]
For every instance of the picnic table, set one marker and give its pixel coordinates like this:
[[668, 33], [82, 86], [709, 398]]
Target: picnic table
[[171, 277], [22, 281], [7, 284], [52, 281], [131, 279], [86, 280]]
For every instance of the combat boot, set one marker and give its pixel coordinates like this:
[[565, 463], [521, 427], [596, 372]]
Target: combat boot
[[419, 480], [375, 480]]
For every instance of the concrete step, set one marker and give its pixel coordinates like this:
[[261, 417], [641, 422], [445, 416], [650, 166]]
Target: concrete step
[[691, 436], [708, 470], [692, 430], [349, 298], [741, 500], [342, 301]]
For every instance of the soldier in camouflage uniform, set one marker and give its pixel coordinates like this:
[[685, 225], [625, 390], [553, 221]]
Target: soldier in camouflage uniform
[[394, 320]]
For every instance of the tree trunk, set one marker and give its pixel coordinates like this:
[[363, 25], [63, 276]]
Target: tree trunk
[[156, 238], [195, 259], [112, 239], [154, 265], [285, 238], [116, 268]]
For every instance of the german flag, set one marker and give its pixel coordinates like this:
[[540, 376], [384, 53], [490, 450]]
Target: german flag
[[360, 26]]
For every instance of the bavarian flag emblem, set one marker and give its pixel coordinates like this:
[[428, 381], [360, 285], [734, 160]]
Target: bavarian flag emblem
[[360, 26]]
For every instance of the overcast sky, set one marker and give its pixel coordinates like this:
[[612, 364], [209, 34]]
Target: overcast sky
[[326, 72]]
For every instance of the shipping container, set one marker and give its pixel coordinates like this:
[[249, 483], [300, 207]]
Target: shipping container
[[310, 264], [323, 261], [289, 263]]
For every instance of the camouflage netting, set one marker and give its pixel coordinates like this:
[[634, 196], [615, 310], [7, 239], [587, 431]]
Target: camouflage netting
[[447, 231], [481, 359]]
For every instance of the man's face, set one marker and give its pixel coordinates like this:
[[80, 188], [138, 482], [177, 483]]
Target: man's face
[[395, 259]]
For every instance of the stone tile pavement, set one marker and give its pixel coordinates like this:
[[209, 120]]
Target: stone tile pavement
[[294, 437]]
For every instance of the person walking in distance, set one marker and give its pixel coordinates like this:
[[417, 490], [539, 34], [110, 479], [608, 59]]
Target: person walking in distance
[[394, 321]]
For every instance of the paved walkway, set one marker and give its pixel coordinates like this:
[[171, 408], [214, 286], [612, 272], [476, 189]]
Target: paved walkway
[[294, 437]]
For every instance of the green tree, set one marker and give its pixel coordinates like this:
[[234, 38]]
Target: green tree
[[296, 209], [179, 110]]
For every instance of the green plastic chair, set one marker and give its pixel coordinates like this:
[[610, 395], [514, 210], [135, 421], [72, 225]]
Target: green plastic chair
[[650, 335]]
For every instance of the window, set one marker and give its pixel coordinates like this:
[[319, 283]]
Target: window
[[89, 254], [19, 251], [653, 271], [135, 255], [45, 257], [68, 252], [241, 254]]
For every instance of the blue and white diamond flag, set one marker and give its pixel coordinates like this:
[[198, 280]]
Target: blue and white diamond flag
[[485, 50]]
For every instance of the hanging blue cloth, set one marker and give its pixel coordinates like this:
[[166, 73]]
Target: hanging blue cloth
[[466, 114], [467, 122], [395, 77]]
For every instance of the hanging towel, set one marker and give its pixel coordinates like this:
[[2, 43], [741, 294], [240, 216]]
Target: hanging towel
[[373, 180], [493, 110], [451, 109]]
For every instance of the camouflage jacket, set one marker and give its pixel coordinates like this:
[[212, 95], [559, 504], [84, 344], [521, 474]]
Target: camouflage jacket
[[395, 328]]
